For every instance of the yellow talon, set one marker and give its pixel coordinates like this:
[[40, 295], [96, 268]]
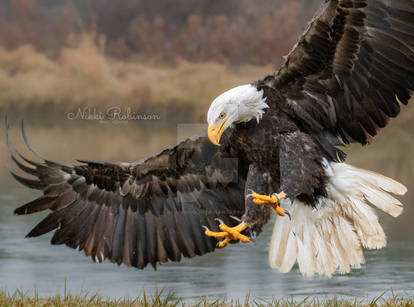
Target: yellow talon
[[271, 201], [229, 234], [224, 243], [281, 211]]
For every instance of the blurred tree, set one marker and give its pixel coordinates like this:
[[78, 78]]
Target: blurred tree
[[231, 31]]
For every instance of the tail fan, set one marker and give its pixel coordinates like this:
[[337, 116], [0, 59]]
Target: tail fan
[[329, 237]]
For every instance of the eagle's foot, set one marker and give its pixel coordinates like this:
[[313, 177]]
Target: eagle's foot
[[271, 201], [228, 234]]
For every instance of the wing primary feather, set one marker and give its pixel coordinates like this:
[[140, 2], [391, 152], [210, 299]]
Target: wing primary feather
[[26, 141], [134, 216], [33, 184], [360, 52]]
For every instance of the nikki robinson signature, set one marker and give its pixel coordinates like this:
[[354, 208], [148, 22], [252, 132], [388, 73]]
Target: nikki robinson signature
[[112, 114]]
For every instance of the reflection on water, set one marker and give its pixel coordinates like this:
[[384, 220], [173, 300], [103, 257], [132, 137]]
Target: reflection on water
[[31, 264]]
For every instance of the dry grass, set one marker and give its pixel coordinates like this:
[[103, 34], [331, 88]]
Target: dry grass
[[83, 76], [160, 300]]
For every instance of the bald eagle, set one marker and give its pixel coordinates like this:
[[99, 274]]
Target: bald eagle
[[273, 144]]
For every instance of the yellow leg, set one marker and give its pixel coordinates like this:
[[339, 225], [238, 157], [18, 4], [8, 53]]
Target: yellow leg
[[229, 234], [272, 201]]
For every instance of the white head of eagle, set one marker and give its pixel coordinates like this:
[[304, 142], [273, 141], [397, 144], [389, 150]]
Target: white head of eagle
[[240, 104]]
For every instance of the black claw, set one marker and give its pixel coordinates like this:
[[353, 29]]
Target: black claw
[[220, 221], [235, 218], [288, 214]]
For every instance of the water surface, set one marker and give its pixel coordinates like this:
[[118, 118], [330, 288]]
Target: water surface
[[33, 264], [238, 270]]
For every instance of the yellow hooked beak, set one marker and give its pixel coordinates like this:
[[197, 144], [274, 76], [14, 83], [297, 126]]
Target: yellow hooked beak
[[215, 132]]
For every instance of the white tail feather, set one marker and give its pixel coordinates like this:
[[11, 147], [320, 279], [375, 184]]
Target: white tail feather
[[284, 249], [329, 237]]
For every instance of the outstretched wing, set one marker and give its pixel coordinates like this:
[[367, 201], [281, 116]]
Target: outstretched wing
[[141, 213], [351, 69]]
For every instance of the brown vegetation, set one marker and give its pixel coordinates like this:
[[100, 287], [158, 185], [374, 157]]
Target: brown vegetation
[[83, 76]]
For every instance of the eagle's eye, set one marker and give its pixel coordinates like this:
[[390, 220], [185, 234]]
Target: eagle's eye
[[222, 115]]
